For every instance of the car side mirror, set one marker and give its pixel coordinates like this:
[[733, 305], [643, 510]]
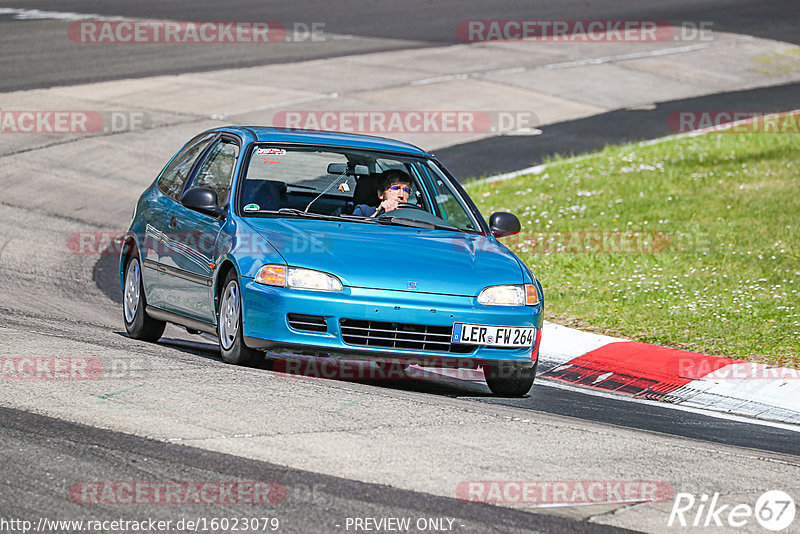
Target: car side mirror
[[204, 200], [502, 223]]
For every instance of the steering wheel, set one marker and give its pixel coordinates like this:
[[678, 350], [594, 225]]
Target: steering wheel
[[401, 205]]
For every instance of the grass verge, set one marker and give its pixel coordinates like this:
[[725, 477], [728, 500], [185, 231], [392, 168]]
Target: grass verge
[[692, 243]]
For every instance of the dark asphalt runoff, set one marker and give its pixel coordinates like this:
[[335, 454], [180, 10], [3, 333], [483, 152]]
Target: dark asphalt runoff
[[423, 20], [61, 469], [39, 53], [511, 153]]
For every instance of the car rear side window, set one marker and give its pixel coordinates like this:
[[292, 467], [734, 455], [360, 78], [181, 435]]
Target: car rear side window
[[174, 176]]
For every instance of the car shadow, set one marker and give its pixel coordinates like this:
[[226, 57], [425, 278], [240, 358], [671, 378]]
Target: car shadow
[[435, 381], [442, 381], [447, 382], [105, 273], [196, 348]]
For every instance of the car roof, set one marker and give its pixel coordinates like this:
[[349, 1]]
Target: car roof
[[268, 134]]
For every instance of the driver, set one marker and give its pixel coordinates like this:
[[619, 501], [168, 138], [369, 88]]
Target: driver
[[393, 190]]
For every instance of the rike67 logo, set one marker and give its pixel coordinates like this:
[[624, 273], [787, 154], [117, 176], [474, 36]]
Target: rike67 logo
[[774, 510]]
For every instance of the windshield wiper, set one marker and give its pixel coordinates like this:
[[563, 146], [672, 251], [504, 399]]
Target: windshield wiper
[[301, 186], [360, 218], [414, 223], [301, 213]]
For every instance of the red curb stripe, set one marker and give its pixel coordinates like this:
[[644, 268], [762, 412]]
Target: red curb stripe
[[637, 369]]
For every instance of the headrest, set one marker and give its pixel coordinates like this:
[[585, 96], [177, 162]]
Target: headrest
[[367, 189]]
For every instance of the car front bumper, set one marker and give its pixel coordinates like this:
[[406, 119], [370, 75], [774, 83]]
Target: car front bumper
[[266, 326]]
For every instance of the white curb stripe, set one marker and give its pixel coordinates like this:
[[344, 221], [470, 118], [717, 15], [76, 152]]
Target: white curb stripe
[[561, 344]]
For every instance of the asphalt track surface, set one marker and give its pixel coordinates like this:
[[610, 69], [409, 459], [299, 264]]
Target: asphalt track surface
[[43, 449], [306, 502]]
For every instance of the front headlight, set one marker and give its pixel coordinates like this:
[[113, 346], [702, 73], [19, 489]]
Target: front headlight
[[297, 278], [510, 295], [308, 279]]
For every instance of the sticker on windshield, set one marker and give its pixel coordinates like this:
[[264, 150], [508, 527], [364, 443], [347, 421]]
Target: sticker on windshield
[[252, 207], [270, 151]]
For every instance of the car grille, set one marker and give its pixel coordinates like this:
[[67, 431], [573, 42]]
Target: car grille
[[309, 323], [400, 336]]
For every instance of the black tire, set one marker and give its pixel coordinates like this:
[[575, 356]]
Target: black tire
[[138, 324], [509, 380], [229, 326]]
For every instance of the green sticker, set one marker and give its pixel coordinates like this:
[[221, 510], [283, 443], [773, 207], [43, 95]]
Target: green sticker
[[252, 207]]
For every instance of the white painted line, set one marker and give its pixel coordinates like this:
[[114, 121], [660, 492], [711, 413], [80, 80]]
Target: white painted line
[[37, 14], [602, 377], [511, 70], [569, 64], [623, 57], [438, 79], [536, 169]]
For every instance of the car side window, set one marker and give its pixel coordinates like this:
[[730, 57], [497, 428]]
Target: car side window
[[452, 210], [174, 176], [217, 170]]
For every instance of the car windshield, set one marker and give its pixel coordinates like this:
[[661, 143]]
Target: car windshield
[[331, 182]]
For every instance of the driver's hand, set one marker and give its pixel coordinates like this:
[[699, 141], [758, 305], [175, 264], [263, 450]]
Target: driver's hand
[[389, 205]]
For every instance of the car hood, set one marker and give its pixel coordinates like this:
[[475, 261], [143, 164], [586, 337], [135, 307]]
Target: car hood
[[392, 257]]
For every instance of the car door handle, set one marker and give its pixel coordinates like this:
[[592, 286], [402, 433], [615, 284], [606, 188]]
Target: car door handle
[[173, 222]]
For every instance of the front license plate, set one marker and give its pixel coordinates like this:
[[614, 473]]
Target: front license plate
[[494, 336]]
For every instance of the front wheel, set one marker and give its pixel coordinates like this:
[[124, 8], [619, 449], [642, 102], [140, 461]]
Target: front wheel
[[138, 324], [508, 380], [229, 326]]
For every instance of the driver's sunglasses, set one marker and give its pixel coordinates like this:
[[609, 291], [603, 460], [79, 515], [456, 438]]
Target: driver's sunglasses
[[405, 188]]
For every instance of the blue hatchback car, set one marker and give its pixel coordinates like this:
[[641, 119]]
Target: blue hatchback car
[[320, 243]]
